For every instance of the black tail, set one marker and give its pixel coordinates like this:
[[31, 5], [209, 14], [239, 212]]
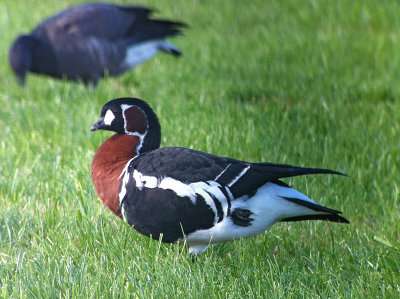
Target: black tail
[[144, 29], [261, 173], [327, 217], [332, 216], [284, 171], [164, 28]]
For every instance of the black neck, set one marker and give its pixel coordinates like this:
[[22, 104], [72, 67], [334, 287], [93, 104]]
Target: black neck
[[152, 139]]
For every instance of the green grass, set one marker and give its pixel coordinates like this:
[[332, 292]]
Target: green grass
[[310, 83]]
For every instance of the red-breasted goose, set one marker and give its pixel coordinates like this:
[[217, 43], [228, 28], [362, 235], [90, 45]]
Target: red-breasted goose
[[176, 193]]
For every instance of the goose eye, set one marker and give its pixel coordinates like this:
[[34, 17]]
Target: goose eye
[[109, 117]]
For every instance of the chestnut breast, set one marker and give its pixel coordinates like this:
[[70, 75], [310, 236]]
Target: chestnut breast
[[107, 165]]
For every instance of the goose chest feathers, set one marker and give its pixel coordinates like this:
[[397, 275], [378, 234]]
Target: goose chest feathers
[[178, 194], [86, 41]]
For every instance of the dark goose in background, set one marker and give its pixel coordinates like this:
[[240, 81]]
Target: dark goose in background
[[85, 41]]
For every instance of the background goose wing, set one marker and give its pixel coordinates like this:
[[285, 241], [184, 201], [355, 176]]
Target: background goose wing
[[104, 21]]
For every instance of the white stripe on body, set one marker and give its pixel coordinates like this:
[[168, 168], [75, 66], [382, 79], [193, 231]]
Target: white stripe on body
[[207, 189]]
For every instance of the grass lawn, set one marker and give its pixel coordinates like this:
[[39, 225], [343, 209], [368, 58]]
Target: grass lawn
[[310, 83]]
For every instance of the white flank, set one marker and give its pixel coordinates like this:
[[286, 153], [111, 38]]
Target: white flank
[[238, 176], [139, 53], [267, 207], [109, 117]]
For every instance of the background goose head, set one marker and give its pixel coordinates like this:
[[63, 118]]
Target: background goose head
[[20, 56]]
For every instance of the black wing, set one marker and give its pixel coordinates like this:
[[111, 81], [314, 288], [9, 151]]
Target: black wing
[[182, 164], [190, 166]]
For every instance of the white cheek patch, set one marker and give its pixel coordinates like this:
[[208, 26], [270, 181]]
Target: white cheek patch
[[109, 117]]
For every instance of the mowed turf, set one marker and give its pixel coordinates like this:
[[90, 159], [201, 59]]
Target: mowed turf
[[309, 83]]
